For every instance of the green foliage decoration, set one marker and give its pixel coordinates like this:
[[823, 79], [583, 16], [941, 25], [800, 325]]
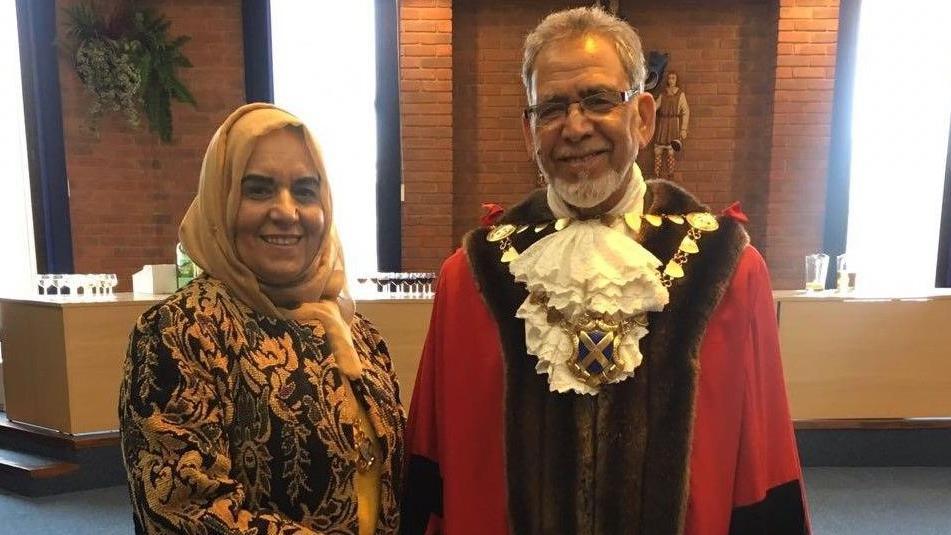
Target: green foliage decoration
[[129, 63]]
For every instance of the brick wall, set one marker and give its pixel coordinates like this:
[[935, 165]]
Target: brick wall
[[758, 76], [490, 161], [735, 60], [128, 191], [725, 54], [426, 76], [802, 116]]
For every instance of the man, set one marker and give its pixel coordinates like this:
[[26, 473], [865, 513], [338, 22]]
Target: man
[[673, 119], [604, 359]]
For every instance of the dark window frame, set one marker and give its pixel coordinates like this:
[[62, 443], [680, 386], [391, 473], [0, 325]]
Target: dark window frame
[[943, 270], [46, 154], [835, 230]]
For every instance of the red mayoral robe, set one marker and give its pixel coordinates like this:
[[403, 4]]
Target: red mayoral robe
[[720, 459]]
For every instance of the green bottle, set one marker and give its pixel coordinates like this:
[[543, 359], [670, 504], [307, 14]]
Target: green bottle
[[185, 269]]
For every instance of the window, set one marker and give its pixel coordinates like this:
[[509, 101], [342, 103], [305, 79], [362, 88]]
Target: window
[[18, 269], [900, 130], [324, 71]]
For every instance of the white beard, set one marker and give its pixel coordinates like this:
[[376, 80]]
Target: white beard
[[587, 192]]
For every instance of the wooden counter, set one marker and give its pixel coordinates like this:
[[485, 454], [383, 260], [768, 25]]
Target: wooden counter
[[845, 357], [866, 357], [63, 355], [62, 358]]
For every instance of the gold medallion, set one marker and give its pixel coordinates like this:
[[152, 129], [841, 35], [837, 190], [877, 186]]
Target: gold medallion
[[541, 226], [500, 232], [689, 246], [562, 223], [678, 219], [522, 228], [596, 346], [674, 270], [704, 221], [653, 219], [633, 222], [509, 255]]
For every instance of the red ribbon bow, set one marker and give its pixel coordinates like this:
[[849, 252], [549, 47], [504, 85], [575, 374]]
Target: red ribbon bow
[[736, 213], [493, 212]]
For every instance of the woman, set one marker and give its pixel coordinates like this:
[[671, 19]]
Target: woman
[[254, 400]]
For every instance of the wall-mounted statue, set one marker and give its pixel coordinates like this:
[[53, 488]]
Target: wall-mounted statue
[[673, 119]]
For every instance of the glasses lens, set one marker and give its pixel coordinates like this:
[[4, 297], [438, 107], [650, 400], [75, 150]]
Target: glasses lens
[[601, 102], [549, 112]]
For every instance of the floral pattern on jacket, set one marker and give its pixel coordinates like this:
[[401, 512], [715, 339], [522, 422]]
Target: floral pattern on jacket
[[233, 422]]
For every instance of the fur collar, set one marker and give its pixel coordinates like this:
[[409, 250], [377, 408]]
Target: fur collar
[[623, 455]]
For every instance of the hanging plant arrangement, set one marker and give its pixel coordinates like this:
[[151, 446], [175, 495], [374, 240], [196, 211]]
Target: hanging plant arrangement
[[128, 63]]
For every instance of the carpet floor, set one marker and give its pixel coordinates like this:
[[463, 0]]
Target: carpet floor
[[842, 501]]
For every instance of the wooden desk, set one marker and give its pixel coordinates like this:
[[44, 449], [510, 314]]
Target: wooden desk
[[866, 357], [62, 356], [845, 357]]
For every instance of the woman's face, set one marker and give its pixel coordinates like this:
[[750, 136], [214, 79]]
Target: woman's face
[[280, 219]]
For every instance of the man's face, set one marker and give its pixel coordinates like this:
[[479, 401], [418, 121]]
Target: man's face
[[587, 156], [672, 80]]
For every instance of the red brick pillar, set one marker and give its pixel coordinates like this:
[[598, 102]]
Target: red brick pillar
[[426, 109], [802, 116]]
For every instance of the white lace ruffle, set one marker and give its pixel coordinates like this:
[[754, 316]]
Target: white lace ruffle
[[585, 267]]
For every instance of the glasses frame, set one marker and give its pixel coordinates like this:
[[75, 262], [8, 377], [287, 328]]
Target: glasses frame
[[623, 97]]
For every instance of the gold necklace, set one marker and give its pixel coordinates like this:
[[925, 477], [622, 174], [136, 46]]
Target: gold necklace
[[365, 456], [698, 223], [596, 337]]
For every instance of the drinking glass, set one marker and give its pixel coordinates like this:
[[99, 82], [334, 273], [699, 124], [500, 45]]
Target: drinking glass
[[58, 282], [68, 285], [382, 284], [845, 275], [406, 283], [43, 283], [392, 284], [817, 267], [77, 284], [362, 289], [89, 283], [112, 281], [388, 284], [377, 285], [417, 284]]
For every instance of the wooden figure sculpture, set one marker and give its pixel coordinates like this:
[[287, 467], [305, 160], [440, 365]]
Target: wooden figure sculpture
[[673, 119]]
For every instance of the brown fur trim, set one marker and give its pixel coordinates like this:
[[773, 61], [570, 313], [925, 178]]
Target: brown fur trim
[[616, 462]]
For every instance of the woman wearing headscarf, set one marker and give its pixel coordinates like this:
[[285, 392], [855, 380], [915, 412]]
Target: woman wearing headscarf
[[254, 400]]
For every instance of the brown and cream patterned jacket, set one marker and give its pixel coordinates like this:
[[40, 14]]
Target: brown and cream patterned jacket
[[233, 422]]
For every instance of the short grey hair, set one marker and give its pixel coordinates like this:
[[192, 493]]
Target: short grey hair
[[582, 21]]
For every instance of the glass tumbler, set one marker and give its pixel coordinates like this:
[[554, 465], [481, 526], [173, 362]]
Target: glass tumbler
[[817, 267]]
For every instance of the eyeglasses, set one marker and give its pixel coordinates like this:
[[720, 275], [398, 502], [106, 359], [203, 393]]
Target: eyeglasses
[[551, 112]]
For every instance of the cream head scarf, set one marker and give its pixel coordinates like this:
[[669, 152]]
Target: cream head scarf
[[207, 234]]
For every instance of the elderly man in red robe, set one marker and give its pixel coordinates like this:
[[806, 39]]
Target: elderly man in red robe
[[603, 359]]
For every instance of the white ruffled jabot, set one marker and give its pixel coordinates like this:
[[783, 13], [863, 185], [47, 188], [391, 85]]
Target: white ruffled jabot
[[585, 267]]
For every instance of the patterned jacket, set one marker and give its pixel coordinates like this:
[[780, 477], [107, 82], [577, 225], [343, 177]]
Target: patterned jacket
[[235, 423]]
